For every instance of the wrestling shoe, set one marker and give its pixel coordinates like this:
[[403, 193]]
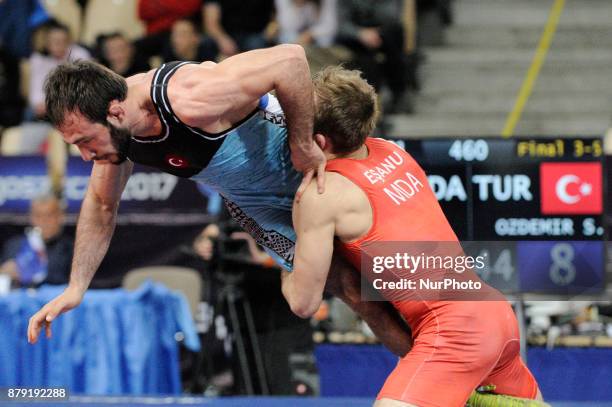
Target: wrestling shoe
[[483, 397]]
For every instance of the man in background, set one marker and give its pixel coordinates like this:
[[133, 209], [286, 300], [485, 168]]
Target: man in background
[[375, 31], [42, 255], [186, 43], [117, 53], [239, 25]]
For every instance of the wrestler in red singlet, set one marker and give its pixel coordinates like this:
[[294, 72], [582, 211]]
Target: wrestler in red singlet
[[458, 345]]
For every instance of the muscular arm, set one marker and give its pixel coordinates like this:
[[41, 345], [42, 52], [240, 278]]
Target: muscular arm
[[214, 97], [96, 222], [314, 227], [208, 94], [315, 220], [94, 231]]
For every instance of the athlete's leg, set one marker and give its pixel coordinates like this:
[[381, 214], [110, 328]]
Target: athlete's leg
[[387, 324], [510, 375], [392, 403]]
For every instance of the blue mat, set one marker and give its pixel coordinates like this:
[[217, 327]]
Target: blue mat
[[238, 402]]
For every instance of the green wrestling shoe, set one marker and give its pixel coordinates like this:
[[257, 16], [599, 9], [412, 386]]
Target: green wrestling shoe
[[484, 398]]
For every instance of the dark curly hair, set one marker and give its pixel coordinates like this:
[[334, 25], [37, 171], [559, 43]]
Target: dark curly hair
[[82, 86]]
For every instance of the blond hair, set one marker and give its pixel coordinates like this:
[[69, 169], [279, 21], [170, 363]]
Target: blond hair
[[346, 108]]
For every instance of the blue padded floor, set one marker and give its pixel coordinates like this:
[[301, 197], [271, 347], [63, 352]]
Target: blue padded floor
[[237, 402]]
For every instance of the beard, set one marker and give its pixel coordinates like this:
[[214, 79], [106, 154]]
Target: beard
[[120, 140]]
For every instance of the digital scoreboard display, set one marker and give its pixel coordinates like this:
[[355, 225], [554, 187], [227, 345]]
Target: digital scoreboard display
[[537, 202]]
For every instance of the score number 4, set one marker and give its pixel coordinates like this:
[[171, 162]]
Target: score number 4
[[502, 266]]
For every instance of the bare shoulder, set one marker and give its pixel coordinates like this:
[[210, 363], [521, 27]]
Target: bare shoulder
[[334, 199], [140, 78], [140, 84], [190, 74], [199, 95], [349, 198], [339, 182], [208, 64]]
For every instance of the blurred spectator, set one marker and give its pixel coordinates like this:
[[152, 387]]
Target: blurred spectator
[[312, 24], [306, 22], [187, 44], [204, 243], [212, 243], [44, 253], [375, 29], [442, 7], [433, 17], [239, 25], [118, 54], [11, 103], [59, 47], [159, 16], [256, 254], [18, 19]]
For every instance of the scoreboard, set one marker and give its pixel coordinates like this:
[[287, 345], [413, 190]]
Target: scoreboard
[[533, 206]]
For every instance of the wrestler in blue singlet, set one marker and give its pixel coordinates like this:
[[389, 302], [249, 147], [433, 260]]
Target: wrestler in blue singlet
[[248, 164]]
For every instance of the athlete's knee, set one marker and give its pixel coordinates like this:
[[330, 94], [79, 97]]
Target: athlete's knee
[[384, 402]]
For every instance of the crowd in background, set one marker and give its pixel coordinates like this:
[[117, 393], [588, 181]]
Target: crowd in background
[[377, 37]]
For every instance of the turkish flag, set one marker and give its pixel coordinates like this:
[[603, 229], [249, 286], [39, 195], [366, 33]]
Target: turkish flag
[[571, 188]]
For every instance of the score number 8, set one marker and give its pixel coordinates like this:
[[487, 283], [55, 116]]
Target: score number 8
[[562, 271]]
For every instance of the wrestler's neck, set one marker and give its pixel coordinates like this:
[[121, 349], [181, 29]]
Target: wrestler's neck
[[142, 119], [360, 154]]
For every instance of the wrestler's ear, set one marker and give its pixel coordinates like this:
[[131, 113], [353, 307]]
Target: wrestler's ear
[[116, 113], [321, 141]]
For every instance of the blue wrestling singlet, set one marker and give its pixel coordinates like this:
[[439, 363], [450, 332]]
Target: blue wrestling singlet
[[248, 164], [253, 172]]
